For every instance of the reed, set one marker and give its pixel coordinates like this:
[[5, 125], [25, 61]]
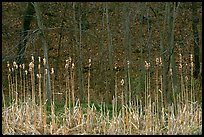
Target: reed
[[25, 113]]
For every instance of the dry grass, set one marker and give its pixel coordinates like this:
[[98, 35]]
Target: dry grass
[[30, 113]]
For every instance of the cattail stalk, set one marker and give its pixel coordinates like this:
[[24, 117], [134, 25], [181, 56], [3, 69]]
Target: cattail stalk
[[192, 84], [45, 103], [72, 84], [123, 111], [116, 94], [31, 69], [39, 85], [24, 84], [126, 118], [21, 87], [16, 82], [88, 109], [129, 82], [157, 84], [53, 102], [10, 83]]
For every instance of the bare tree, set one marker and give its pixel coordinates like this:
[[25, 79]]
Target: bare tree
[[110, 79], [27, 18], [127, 47], [60, 39], [171, 25], [77, 11], [43, 39]]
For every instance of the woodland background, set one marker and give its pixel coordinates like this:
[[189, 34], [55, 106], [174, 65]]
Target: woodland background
[[110, 34]]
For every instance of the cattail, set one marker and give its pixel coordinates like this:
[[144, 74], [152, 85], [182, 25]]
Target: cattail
[[123, 111], [44, 61], [88, 110], [14, 64], [53, 103], [67, 94], [72, 83], [16, 81], [129, 82], [10, 82]]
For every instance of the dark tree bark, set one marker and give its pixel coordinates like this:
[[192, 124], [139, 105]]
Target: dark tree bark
[[44, 44], [28, 16], [195, 21], [60, 40], [77, 16], [127, 48], [110, 78]]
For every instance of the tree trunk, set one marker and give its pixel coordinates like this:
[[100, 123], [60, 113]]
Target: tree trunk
[[195, 21], [28, 16], [43, 39], [110, 79], [77, 15], [127, 47]]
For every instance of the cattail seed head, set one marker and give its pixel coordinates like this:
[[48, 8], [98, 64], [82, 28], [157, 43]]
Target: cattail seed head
[[67, 61], [31, 66], [170, 70], [39, 75], [128, 63], [23, 66], [70, 59], [32, 58], [39, 60], [39, 66], [122, 82], [147, 65], [157, 61], [72, 65], [186, 78], [52, 70], [66, 65], [160, 61], [191, 57], [180, 66], [8, 65], [89, 62], [26, 72], [14, 64], [45, 71], [44, 61], [192, 64]]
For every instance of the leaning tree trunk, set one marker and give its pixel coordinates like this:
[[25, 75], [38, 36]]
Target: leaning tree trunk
[[28, 16], [42, 36]]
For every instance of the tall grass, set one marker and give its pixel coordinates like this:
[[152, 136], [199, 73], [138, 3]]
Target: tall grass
[[25, 109]]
